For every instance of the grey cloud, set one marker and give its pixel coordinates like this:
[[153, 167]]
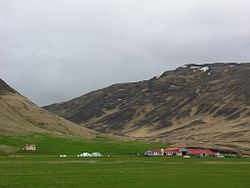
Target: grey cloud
[[52, 51]]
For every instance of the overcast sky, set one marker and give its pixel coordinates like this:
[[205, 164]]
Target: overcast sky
[[55, 50]]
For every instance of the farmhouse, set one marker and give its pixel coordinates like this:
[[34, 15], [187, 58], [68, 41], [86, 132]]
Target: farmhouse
[[173, 152], [29, 147]]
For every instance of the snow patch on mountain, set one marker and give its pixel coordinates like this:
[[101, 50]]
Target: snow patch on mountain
[[205, 69]]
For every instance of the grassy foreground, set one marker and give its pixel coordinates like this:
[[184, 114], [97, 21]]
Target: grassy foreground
[[123, 169]]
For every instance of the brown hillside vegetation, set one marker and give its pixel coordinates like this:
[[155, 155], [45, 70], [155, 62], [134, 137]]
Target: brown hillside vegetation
[[19, 116], [195, 105]]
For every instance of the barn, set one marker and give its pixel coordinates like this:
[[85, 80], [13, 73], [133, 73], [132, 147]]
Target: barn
[[173, 152], [200, 152]]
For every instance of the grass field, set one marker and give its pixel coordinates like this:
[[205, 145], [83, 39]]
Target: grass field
[[123, 169]]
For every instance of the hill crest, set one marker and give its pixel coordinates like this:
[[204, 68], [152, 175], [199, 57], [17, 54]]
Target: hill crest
[[5, 88], [19, 116]]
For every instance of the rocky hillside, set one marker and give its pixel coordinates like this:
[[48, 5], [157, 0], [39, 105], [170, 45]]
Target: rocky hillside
[[195, 105], [19, 116]]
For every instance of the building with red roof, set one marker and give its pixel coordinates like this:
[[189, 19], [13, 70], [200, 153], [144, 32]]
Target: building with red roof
[[200, 152]]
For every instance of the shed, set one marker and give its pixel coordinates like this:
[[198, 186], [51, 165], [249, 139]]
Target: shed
[[29, 147]]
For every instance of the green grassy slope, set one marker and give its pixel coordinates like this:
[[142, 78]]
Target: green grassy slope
[[52, 145]]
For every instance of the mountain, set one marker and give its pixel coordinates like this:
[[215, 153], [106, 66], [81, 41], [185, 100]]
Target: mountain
[[19, 116], [195, 105]]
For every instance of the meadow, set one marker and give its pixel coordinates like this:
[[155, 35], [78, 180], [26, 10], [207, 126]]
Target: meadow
[[124, 167]]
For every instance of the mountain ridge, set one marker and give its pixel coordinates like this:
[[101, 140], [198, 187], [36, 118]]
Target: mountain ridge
[[206, 105]]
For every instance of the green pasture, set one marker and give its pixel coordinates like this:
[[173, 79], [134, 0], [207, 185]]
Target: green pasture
[[56, 145], [123, 169]]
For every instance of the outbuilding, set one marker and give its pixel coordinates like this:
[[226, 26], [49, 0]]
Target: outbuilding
[[156, 152], [29, 147]]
